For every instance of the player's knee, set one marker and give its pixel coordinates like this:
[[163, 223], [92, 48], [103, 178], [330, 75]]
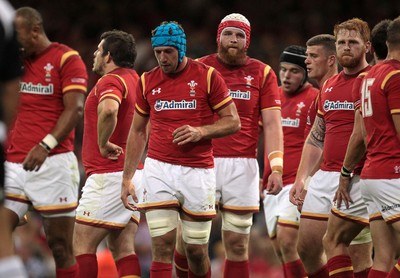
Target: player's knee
[[196, 232], [161, 222], [237, 223]]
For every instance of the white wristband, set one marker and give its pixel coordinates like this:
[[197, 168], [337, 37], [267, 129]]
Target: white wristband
[[50, 141]]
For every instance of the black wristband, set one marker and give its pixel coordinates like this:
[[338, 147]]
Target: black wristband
[[344, 172], [45, 146]]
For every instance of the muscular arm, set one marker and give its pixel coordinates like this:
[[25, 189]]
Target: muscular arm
[[310, 158], [273, 141], [69, 118], [396, 121], [136, 143], [107, 112], [228, 123], [354, 153], [356, 147]]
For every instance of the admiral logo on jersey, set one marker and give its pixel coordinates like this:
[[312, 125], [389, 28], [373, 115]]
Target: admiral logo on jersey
[[37, 89], [174, 105], [288, 122], [240, 95], [338, 105]]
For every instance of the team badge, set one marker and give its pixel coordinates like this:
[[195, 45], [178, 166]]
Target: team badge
[[48, 69], [248, 79], [299, 107], [192, 84]]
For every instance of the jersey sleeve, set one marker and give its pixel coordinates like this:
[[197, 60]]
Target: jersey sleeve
[[73, 73], [218, 91], [111, 86], [392, 87], [270, 98], [142, 106]]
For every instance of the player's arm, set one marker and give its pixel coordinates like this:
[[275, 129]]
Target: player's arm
[[273, 142], [107, 112], [396, 121], [310, 158], [228, 123], [354, 153], [69, 118], [136, 143]]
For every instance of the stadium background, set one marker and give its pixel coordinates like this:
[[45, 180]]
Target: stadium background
[[275, 25]]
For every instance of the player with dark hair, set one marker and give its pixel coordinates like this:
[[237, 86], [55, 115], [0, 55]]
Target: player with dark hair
[[179, 99], [10, 72], [41, 167], [108, 115], [378, 40], [281, 216], [328, 139]]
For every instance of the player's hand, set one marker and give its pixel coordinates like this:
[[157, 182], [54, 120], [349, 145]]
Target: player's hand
[[111, 151], [274, 184], [342, 193], [186, 134], [128, 189], [296, 194], [300, 202], [35, 158]]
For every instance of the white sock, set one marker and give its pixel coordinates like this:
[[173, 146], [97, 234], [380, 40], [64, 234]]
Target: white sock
[[12, 267]]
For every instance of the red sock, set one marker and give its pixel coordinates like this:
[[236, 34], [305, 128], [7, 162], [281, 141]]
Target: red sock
[[340, 266], [362, 274], [207, 275], [322, 273], [181, 265], [70, 272], [294, 269], [373, 273], [395, 272], [236, 269], [88, 267], [128, 266], [160, 270]]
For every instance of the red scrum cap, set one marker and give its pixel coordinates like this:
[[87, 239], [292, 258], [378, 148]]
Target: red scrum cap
[[238, 21]]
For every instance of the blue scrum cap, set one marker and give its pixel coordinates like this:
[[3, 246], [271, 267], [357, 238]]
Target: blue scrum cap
[[170, 34]]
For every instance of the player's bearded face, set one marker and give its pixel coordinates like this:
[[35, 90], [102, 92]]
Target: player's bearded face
[[350, 48], [232, 55], [232, 47]]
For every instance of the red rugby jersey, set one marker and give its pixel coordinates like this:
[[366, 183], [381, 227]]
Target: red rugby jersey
[[253, 87], [120, 85], [294, 120], [337, 108], [56, 71], [380, 99], [189, 97]]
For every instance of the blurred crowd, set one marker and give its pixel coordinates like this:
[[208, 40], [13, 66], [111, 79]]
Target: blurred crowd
[[275, 25]]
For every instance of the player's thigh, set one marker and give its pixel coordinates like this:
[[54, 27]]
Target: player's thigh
[[311, 233]]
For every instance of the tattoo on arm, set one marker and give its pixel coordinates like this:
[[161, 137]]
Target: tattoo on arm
[[317, 133]]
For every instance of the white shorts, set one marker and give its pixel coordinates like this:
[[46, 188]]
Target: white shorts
[[237, 184], [101, 205], [278, 210], [167, 185], [318, 203], [384, 195], [52, 191]]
